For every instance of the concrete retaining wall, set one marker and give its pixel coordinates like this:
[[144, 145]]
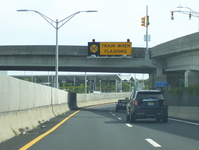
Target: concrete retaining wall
[[183, 105], [24, 105], [20, 95], [183, 112]]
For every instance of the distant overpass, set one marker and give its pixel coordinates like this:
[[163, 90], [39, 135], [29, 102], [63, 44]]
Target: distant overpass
[[175, 61], [71, 58]]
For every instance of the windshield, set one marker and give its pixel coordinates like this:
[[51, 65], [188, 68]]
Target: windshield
[[147, 95]]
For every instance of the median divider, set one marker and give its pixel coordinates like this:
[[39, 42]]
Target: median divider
[[184, 112], [98, 102]]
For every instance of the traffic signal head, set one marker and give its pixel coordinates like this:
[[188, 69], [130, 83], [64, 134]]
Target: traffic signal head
[[189, 16], [147, 20], [172, 18], [143, 21]]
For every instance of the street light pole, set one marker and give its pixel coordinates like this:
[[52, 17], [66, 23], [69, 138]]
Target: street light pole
[[57, 58], [55, 24]]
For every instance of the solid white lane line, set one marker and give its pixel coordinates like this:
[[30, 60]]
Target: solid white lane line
[[129, 125], [153, 143], [197, 124], [119, 118]]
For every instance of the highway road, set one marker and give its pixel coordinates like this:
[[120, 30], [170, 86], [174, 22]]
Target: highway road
[[101, 128]]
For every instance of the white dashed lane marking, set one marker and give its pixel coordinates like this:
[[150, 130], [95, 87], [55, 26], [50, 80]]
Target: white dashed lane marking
[[119, 118], [153, 142], [129, 125]]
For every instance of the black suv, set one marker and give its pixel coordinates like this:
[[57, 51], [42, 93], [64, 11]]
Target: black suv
[[121, 104], [147, 104]]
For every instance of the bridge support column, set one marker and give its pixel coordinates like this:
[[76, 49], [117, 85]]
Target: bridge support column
[[191, 78], [159, 75], [156, 76], [152, 80]]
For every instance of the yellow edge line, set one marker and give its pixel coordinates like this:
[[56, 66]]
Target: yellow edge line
[[46, 133]]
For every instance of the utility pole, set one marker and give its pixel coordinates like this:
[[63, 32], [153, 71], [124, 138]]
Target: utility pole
[[147, 38], [145, 23]]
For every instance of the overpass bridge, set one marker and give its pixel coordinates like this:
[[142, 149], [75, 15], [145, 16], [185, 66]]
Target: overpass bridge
[[71, 58], [178, 61], [175, 61]]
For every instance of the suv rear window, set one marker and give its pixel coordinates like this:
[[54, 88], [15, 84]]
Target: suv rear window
[[122, 101], [147, 95]]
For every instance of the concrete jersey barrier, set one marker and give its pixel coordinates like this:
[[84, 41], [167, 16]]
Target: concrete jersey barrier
[[24, 105]]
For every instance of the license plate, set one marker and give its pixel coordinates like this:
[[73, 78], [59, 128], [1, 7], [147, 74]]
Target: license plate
[[150, 103]]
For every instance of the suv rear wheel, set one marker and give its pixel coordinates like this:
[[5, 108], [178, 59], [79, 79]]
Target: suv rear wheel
[[158, 119], [127, 117], [165, 119], [132, 118]]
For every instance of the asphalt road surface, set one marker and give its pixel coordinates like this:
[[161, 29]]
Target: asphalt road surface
[[101, 128]]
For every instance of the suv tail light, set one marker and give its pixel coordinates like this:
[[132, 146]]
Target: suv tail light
[[135, 102], [165, 102]]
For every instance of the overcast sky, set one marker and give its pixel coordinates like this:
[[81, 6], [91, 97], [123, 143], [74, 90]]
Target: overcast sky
[[115, 21]]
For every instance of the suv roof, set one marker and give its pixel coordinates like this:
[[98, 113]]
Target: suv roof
[[148, 91]]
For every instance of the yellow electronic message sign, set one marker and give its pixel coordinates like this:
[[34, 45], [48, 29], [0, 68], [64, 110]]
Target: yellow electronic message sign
[[110, 48], [113, 48]]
